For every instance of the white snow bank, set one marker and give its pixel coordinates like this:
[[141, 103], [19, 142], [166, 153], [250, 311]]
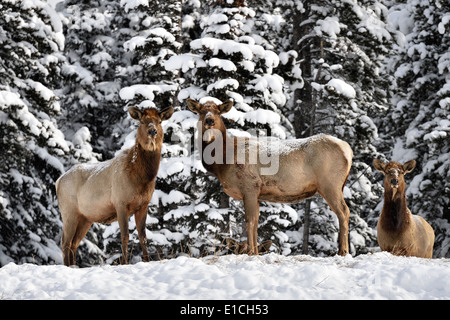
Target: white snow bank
[[271, 276]]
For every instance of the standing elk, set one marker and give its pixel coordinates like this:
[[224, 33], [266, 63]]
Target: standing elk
[[319, 164], [399, 231], [114, 189]]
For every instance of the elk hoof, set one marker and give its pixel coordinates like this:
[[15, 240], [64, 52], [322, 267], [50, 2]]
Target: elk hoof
[[243, 248]]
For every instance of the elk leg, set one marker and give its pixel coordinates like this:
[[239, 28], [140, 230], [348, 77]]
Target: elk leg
[[122, 218], [68, 255], [140, 217], [82, 229], [335, 200], [251, 207], [70, 224], [343, 218]]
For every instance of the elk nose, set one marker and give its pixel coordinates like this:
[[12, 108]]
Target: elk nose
[[152, 131], [394, 182], [209, 122]]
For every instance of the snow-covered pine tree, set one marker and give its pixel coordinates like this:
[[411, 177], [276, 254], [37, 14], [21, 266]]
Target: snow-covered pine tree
[[152, 40], [273, 32], [420, 118], [32, 146], [341, 46], [96, 69], [226, 62], [156, 38]]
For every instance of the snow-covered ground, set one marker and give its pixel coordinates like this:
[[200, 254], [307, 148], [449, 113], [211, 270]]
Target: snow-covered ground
[[272, 276]]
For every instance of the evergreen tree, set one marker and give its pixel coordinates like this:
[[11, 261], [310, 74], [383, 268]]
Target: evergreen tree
[[341, 46], [227, 62], [153, 40], [95, 71], [96, 67], [293, 69], [32, 145], [420, 117]]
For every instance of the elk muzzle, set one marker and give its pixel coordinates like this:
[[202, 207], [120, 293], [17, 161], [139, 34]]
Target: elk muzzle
[[209, 122], [152, 131]]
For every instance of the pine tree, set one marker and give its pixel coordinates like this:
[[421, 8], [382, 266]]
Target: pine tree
[[33, 147], [341, 46], [95, 70], [226, 62], [420, 117], [152, 40]]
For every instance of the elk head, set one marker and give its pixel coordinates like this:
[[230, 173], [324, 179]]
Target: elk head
[[394, 173], [210, 113], [150, 133]]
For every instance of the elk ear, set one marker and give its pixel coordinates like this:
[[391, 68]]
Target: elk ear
[[166, 113], [409, 166], [225, 107], [135, 113], [379, 165], [194, 106]]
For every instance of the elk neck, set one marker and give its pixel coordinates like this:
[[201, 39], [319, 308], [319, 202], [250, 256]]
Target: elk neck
[[142, 164], [395, 215], [215, 168]]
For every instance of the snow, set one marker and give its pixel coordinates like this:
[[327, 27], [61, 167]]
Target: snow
[[223, 83], [43, 91], [133, 4], [401, 154], [271, 276], [230, 47], [262, 116], [224, 64], [341, 87], [329, 25], [185, 62], [146, 91], [443, 23], [8, 98]]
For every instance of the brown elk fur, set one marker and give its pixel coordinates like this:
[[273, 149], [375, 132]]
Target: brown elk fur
[[114, 189], [319, 164], [399, 231]]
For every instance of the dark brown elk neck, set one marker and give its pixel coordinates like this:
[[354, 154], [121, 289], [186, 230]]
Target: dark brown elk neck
[[143, 165], [395, 215]]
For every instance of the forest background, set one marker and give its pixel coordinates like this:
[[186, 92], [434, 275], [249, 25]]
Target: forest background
[[373, 73]]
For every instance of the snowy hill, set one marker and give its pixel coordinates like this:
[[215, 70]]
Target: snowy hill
[[267, 277]]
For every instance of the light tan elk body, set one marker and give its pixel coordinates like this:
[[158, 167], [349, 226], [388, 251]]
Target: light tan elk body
[[399, 231], [114, 189], [319, 164]]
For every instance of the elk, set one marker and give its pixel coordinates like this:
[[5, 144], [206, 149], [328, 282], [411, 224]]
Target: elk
[[400, 232], [319, 164], [114, 189]]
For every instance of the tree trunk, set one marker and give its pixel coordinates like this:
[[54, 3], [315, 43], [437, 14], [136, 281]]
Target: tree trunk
[[303, 98], [306, 227]]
